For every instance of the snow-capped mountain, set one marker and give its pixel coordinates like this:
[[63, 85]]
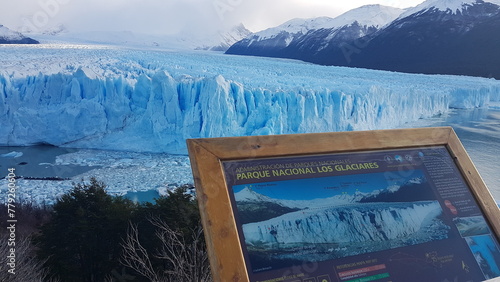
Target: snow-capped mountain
[[445, 37], [299, 38], [8, 36], [436, 37], [55, 30], [254, 206], [449, 6], [222, 40], [416, 186], [249, 195]]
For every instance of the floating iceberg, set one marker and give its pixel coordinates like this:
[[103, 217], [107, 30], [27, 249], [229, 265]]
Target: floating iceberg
[[12, 155]]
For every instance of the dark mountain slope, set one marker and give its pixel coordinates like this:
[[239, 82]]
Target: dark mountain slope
[[437, 42], [8, 36]]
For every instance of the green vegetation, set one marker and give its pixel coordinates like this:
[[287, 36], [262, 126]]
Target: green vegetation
[[89, 235], [82, 240]]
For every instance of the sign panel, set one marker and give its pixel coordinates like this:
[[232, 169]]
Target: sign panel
[[390, 215], [276, 210]]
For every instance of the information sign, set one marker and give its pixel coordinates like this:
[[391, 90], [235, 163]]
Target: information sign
[[414, 209]]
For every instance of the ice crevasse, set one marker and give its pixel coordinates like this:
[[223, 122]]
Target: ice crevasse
[[156, 111]]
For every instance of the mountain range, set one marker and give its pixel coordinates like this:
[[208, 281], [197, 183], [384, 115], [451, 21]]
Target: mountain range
[[254, 206], [457, 37], [8, 36], [305, 38]]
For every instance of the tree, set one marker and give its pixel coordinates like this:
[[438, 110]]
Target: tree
[[82, 241], [177, 252], [26, 268], [178, 208], [183, 261]]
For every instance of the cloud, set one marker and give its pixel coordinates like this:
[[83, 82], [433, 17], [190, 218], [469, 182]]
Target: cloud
[[151, 16], [261, 14], [169, 16]]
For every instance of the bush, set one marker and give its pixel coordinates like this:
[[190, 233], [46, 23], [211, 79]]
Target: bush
[[82, 240], [92, 236], [177, 251]]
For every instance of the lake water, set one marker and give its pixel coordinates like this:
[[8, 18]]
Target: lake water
[[143, 196], [39, 161], [479, 132]]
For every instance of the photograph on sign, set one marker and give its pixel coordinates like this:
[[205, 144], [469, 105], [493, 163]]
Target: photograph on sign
[[386, 215]]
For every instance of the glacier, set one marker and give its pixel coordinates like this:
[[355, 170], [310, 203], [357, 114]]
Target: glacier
[[339, 226], [372, 222], [319, 234], [105, 97]]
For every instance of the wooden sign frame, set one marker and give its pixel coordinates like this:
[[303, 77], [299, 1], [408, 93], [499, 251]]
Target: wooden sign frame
[[209, 154]]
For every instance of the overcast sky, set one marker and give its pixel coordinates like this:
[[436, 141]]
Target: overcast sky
[[170, 16]]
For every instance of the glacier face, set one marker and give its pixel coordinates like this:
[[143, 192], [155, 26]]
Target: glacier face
[[372, 222], [320, 234], [151, 101]]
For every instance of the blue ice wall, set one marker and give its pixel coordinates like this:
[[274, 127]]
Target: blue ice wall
[[156, 111]]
